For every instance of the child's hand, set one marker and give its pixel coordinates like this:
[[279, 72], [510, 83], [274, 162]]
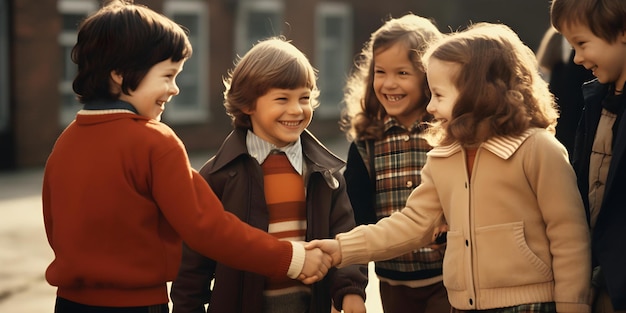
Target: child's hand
[[352, 304], [329, 246], [316, 265], [439, 239]]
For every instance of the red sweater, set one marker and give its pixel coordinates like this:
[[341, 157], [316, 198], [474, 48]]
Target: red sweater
[[118, 192]]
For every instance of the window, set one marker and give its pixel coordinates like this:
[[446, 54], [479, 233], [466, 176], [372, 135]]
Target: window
[[72, 13], [4, 66], [257, 20], [191, 104], [333, 52]]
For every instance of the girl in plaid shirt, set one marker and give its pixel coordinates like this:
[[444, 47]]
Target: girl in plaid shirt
[[386, 99]]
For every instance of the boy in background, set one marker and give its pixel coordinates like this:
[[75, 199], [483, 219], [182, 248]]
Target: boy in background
[[596, 29]]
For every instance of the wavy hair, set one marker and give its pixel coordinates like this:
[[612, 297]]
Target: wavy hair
[[363, 115], [501, 92]]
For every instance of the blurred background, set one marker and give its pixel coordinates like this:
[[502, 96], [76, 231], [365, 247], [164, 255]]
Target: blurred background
[[37, 102], [36, 73]]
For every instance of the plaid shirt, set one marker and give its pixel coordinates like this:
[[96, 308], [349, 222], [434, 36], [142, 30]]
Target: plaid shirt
[[399, 158]]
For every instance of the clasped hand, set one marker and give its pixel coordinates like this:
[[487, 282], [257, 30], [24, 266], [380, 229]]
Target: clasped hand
[[321, 255]]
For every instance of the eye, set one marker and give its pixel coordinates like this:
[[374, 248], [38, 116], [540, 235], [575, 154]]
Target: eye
[[379, 72], [403, 73]]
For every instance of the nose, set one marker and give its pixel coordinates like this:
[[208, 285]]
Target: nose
[[389, 81], [430, 107], [174, 90], [294, 108], [578, 59]]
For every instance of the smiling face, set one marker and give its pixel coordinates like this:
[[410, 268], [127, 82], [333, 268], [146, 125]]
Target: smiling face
[[444, 93], [606, 60], [281, 115], [397, 84], [155, 89]]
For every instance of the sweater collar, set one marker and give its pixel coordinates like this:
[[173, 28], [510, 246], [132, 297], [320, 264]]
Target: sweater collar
[[503, 147], [108, 105]]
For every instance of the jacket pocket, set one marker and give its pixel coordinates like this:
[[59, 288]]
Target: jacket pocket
[[454, 262], [504, 259]]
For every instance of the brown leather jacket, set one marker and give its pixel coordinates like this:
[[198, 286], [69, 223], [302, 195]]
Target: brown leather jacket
[[237, 179]]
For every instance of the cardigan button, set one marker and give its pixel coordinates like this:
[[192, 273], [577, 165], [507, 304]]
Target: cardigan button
[[471, 302], [409, 184], [466, 243], [406, 137]]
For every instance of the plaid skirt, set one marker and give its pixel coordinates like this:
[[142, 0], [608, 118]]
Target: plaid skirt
[[544, 307]]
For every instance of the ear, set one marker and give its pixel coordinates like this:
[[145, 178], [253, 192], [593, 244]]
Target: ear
[[247, 110], [622, 37], [117, 78]]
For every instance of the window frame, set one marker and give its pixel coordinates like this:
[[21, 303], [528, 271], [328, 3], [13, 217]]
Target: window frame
[[67, 40], [328, 80], [198, 112], [243, 40]]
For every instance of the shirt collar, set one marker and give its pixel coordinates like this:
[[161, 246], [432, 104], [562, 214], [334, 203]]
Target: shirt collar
[[503, 147], [260, 149], [390, 122]]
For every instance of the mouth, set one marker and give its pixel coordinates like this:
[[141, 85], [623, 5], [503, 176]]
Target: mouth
[[161, 103], [394, 98], [290, 123]]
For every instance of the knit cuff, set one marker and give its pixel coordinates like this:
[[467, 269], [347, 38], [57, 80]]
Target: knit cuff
[[353, 248], [297, 260]]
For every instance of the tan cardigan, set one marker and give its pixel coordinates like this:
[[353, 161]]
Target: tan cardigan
[[518, 232]]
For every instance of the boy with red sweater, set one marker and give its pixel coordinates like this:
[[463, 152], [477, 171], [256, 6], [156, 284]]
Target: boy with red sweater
[[119, 192], [275, 175]]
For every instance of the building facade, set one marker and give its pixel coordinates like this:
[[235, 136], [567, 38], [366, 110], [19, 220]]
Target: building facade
[[36, 73]]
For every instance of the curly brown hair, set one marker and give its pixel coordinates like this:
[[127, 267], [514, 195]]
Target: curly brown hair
[[501, 92], [363, 115]]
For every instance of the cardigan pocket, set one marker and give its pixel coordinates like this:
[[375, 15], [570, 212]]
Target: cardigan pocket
[[504, 259], [454, 262]]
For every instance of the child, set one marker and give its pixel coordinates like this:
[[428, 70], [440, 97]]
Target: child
[[118, 190], [555, 57], [517, 240], [273, 174], [597, 31], [386, 99]]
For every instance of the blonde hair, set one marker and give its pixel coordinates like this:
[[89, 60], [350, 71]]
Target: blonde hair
[[271, 63], [501, 92], [363, 115]]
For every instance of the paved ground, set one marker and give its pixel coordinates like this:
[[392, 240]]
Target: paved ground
[[25, 254]]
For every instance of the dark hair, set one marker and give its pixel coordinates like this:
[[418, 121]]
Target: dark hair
[[608, 16], [271, 63], [501, 92], [127, 39], [364, 115]]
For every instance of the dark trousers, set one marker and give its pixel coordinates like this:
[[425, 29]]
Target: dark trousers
[[403, 299], [67, 306]]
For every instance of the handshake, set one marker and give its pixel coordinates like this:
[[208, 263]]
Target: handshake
[[321, 255]]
